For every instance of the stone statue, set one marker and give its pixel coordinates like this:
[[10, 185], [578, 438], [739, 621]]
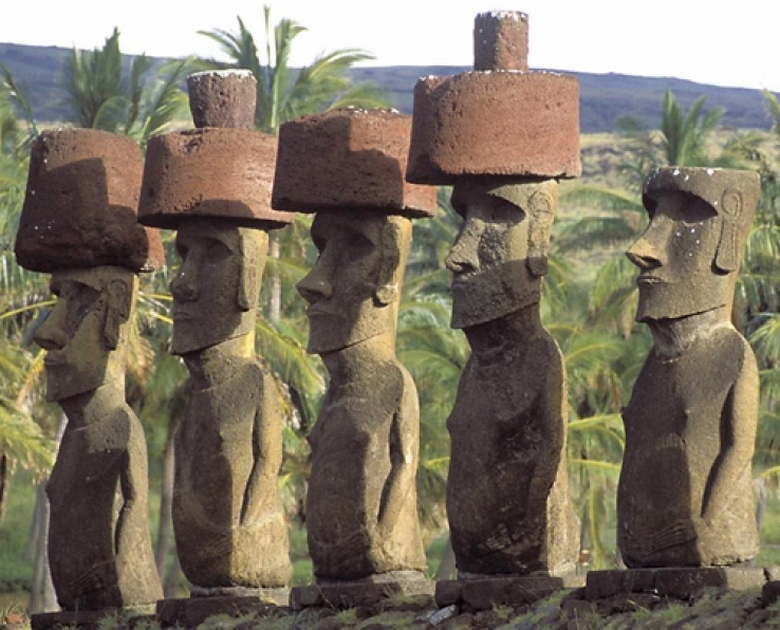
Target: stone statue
[[362, 500], [100, 548], [79, 222], [507, 490], [502, 136], [685, 497], [213, 185], [230, 525], [361, 506]]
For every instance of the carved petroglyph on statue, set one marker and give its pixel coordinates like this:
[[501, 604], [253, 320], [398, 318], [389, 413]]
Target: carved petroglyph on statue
[[503, 136], [213, 186], [361, 505], [685, 497], [79, 222]]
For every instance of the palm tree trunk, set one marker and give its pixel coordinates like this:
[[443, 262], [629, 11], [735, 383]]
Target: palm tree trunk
[[163, 546], [4, 484], [275, 308]]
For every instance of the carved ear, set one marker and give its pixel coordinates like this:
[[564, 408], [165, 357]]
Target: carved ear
[[251, 269], [727, 256], [117, 312], [540, 215], [387, 282]]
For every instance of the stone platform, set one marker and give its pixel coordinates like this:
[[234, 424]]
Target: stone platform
[[681, 583], [192, 611], [341, 594], [516, 590], [90, 619]]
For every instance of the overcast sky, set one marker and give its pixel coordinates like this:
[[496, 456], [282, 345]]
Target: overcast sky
[[709, 41]]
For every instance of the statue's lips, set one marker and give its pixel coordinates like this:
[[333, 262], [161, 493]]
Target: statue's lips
[[642, 279], [182, 314], [322, 310], [54, 358]]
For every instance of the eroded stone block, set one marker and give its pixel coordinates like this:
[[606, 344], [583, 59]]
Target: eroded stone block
[[348, 159], [80, 208], [495, 123], [210, 174]]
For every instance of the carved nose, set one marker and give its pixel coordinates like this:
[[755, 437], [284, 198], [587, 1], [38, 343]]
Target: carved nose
[[314, 287], [463, 256], [184, 287], [643, 254], [50, 334]]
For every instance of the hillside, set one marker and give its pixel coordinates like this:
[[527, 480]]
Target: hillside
[[603, 97]]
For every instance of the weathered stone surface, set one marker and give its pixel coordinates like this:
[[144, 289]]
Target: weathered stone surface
[[507, 491], [500, 120], [501, 41], [685, 496], [100, 550], [191, 612], [341, 594], [223, 98], [361, 502], [227, 512], [80, 208], [348, 159], [494, 123], [770, 592], [91, 619], [210, 173], [487, 592], [681, 583]]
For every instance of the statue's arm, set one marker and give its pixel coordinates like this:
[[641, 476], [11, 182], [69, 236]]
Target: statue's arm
[[129, 479], [739, 420], [404, 452], [262, 485], [551, 413]]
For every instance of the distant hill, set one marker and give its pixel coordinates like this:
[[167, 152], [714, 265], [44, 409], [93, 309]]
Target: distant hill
[[603, 97]]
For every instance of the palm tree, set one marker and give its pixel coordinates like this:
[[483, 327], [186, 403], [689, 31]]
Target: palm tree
[[283, 93], [100, 96]]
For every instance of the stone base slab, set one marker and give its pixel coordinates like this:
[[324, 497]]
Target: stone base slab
[[192, 611], [515, 590], [90, 619], [340, 594], [682, 582]]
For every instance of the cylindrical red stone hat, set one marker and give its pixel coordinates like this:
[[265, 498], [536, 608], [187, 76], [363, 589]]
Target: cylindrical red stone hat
[[80, 208], [210, 173], [348, 159], [500, 119]]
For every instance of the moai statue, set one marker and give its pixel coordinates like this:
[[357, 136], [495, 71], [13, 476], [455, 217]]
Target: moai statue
[[503, 136], [79, 224], [685, 497], [361, 509], [213, 185]]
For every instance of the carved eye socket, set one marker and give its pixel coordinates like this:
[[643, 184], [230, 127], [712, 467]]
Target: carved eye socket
[[359, 247], [79, 300], [697, 211]]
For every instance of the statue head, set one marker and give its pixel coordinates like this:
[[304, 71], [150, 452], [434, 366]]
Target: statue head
[[86, 331], [354, 287], [216, 289], [690, 251], [500, 254]]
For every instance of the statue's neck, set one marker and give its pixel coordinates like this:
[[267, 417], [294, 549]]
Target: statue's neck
[[217, 363], [672, 337], [93, 405], [354, 362], [509, 331]]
